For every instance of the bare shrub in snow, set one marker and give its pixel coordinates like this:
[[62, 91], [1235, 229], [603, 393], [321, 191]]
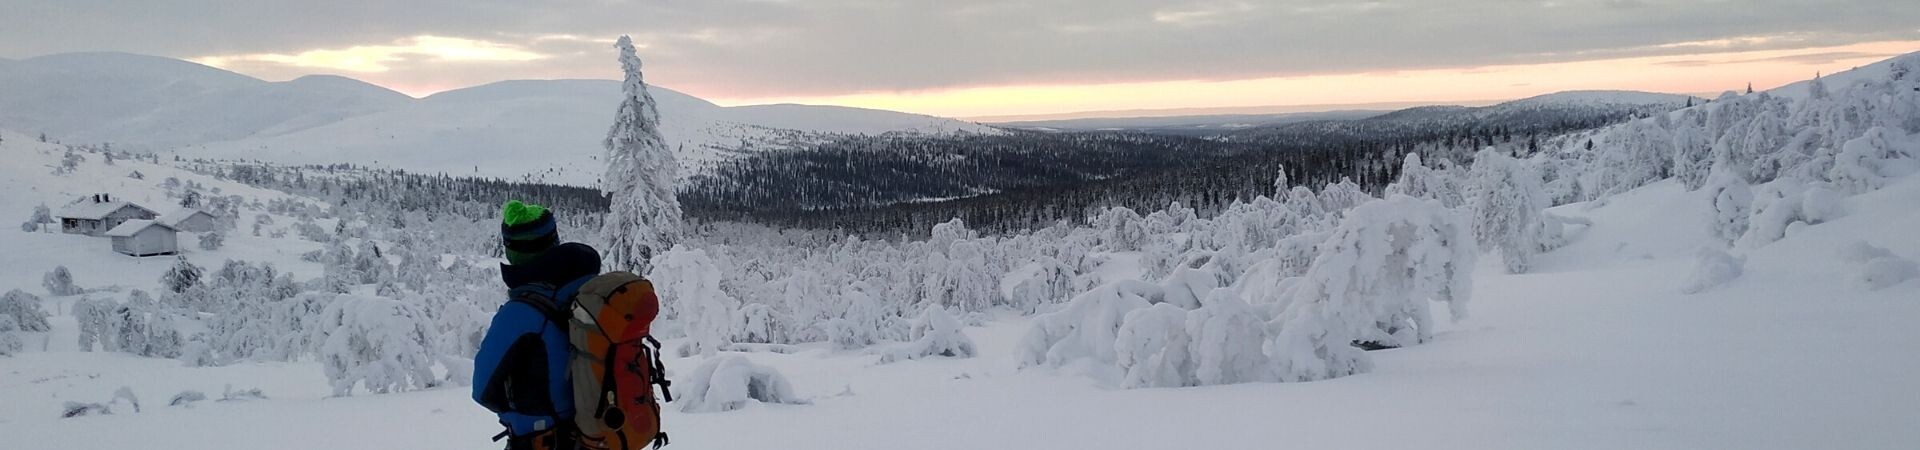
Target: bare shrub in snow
[[1712, 268], [1373, 282], [126, 394], [186, 398], [25, 309], [726, 383], [81, 409], [381, 344], [935, 333], [59, 282]]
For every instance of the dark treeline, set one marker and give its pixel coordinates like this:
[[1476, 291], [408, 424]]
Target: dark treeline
[[896, 184], [395, 192]]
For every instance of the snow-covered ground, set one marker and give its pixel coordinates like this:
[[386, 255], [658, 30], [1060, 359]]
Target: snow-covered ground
[[1595, 349]]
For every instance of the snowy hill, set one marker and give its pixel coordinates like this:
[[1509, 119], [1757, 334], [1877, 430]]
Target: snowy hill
[[547, 129]]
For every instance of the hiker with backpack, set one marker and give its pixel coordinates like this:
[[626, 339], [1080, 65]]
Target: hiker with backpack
[[569, 362]]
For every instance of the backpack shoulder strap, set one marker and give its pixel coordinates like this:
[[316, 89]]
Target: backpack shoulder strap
[[540, 297]]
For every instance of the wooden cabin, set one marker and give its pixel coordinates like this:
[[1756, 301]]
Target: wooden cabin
[[140, 237], [94, 215]]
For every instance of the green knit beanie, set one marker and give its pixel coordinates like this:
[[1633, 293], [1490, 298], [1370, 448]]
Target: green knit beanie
[[526, 230]]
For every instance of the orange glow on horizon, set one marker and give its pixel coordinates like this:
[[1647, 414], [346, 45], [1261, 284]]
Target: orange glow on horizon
[[1700, 73]]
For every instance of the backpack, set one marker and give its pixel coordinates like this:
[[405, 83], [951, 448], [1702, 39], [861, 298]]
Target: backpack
[[616, 363]]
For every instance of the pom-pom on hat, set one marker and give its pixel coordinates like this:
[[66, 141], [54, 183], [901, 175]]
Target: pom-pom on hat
[[527, 230]]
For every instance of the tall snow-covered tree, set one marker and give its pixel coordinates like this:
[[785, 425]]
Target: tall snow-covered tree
[[1507, 205], [644, 215]]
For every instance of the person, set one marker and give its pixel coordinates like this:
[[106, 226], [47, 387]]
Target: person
[[520, 372]]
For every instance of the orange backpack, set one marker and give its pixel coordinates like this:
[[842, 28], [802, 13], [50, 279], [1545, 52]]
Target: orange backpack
[[616, 363]]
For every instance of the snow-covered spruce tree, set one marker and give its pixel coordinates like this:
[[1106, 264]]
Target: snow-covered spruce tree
[[935, 333], [212, 241], [1373, 282], [95, 318], [1122, 229], [1339, 197], [973, 286], [1692, 152], [644, 216], [25, 309], [1643, 155], [9, 341], [59, 282], [1868, 162], [41, 218], [181, 276], [1227, 340], [382, 345], [1507, 203], [1151, 347], [1731, 200], [689, 278], [1040, 282], [1419, 181], [1306, 205], [860, 326], [1085, 329]]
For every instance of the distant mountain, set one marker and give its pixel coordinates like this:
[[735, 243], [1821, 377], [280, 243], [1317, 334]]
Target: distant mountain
[[1557, 111], [1198, 124], [546, 130]]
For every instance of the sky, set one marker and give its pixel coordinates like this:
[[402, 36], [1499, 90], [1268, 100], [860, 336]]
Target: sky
[[1003, 58]]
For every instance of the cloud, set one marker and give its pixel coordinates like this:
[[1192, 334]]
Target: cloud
[[378, 58], [746, 49]]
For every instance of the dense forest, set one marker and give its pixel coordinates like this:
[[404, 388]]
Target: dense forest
[[1029, 179]]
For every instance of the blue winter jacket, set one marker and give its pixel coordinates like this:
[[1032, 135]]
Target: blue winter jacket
[[520, 372]]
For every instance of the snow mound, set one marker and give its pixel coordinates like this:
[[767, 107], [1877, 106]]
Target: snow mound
[[1712, 267], [727, 383]]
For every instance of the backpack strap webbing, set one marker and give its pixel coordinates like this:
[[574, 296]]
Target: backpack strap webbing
[[540, 297]]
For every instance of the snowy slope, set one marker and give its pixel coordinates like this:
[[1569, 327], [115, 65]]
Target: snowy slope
[[144, 102], [547, 129], [1596, 351], [27, 180], [551, 130]]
